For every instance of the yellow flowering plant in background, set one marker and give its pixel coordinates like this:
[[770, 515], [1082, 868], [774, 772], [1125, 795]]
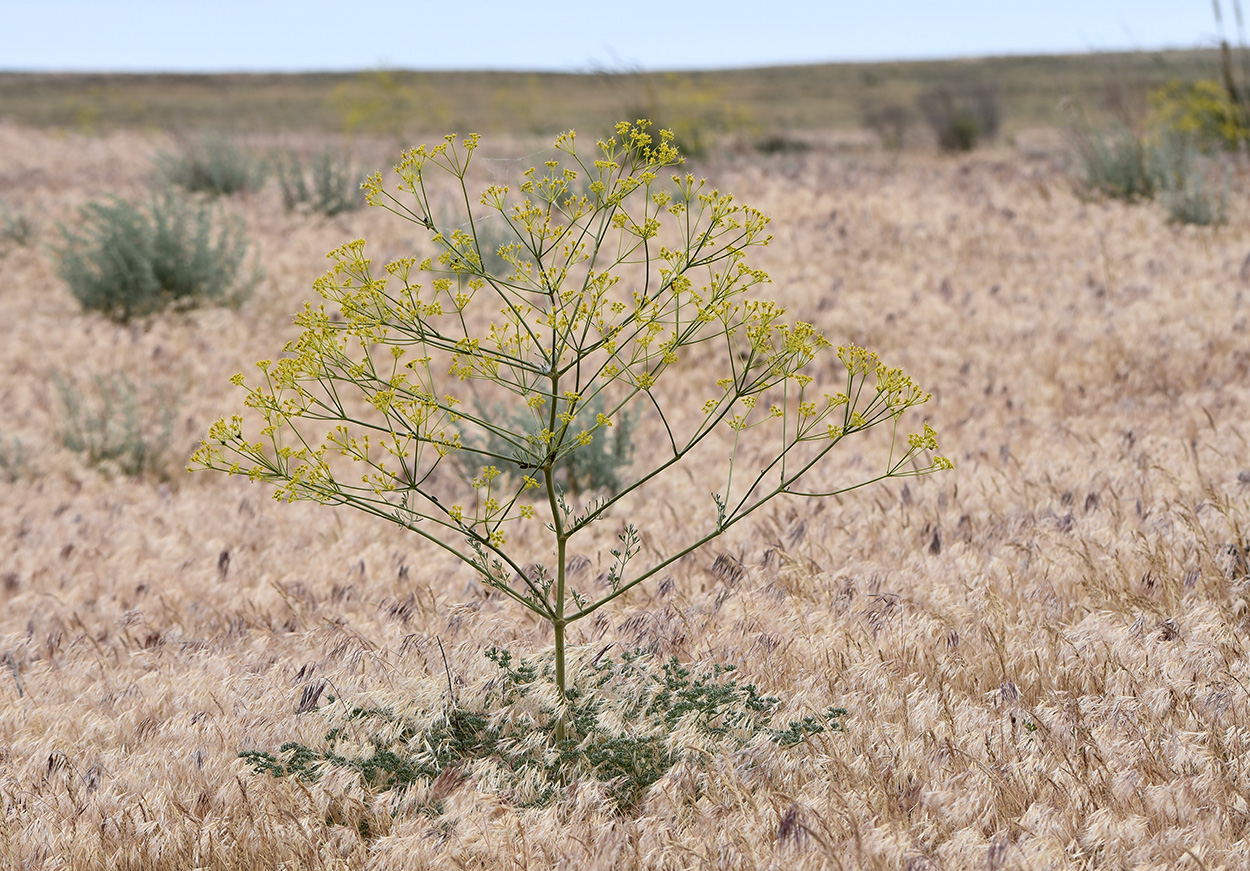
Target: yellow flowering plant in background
[[619, 272], [1203, 109]]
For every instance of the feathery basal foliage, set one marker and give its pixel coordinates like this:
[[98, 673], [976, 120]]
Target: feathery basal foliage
[[606, 292], [633, 722]]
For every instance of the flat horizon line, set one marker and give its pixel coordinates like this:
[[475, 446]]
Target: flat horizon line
[[606, 70]]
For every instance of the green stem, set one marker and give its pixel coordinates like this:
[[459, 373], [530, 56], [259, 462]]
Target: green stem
[[557, 526], [558, 623], [559, 626]]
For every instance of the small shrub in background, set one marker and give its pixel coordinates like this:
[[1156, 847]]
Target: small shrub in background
[[15, 228], [960, 118], [890, 122], [1117, 164], [127, 261], [1167, 165], [330, 185], [1197, 204], [1201, 111], [213, 165], [1186, 184], [115, 427], [597, 467], [627, 716], [779, 143], [13, 463]]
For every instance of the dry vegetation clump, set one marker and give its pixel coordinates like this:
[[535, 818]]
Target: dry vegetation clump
[[1043, 654]]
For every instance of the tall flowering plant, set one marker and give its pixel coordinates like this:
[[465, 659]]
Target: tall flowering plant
[[617, 272]]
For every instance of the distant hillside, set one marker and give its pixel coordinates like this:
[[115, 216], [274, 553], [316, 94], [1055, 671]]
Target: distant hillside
[[1030, 91]]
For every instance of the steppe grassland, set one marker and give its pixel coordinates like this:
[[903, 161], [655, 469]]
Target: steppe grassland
[[1043, 652], [762, 100]]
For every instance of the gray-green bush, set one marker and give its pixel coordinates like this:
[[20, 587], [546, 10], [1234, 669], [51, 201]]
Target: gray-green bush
[[1186, 184], [114, 426], [330, 184], [890, 121], [212, 165], [597, 467], [1168, 166], [16, 228], [1117, 163], [781, 143], [127, 261], [13, 462], [960, 117]]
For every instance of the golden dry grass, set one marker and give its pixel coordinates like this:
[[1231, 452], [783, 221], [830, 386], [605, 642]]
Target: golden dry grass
[[1044, 652]]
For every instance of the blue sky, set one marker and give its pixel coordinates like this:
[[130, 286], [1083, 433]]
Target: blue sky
[[230, 35]]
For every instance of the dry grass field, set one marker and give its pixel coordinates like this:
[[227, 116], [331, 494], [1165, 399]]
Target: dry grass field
[[1044, 653]]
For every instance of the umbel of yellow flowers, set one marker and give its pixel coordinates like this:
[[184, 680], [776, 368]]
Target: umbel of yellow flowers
[[613, 274]]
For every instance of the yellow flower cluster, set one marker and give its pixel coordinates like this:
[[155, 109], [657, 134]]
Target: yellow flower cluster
[[363, 407]]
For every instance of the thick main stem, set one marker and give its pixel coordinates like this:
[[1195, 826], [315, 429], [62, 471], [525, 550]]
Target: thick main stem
[[559, 626], [557, 525]]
